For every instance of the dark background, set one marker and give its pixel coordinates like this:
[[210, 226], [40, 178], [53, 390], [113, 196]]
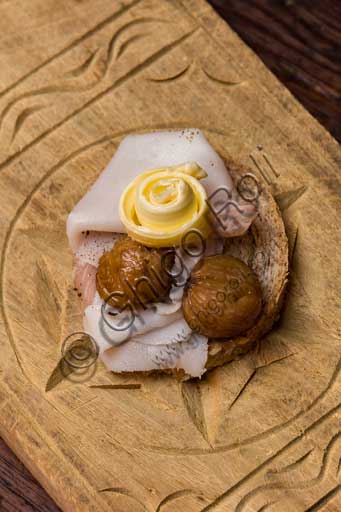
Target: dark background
[[300, 41]]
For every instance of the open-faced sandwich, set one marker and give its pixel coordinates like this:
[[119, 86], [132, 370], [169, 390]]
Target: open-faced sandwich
[[181, 258]]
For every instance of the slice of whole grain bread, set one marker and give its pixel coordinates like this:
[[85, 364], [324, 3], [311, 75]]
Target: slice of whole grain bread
[[265, 249]]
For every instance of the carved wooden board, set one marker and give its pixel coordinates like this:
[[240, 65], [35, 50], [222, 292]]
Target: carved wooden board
[[262, 433]]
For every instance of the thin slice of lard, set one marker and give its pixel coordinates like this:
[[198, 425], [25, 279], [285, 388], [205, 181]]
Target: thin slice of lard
[[159, 338]]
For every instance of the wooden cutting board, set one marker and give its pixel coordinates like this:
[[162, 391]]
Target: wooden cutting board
[[262, 433]]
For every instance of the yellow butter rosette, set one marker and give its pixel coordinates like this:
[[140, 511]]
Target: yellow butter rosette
[[161, 205]]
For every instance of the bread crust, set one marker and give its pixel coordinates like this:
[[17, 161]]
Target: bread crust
[[265, 249]]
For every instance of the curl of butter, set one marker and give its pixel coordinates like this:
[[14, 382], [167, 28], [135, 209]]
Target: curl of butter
[[161, 205]]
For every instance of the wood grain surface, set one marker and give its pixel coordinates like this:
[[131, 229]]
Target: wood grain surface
[[63, 109]]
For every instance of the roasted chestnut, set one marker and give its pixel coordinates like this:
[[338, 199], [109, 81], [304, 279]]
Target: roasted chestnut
[[132, 273], [222, 297]]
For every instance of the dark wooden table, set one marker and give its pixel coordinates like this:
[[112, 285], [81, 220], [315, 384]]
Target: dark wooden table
[[300, 41]]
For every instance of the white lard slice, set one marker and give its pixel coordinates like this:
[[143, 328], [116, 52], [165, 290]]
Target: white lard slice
[[154, 341], [160, 342], [98, 209], [190, 356]]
